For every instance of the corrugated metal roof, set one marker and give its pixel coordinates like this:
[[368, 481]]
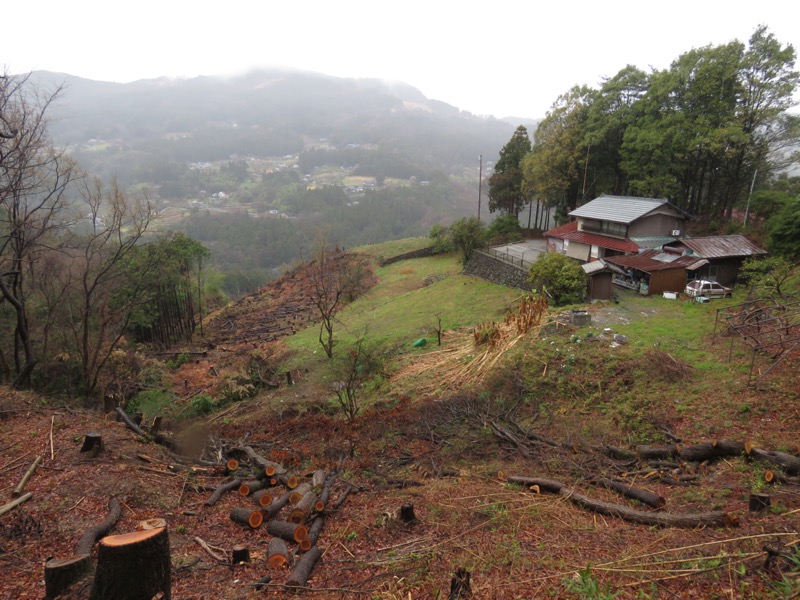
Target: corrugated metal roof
[[723, 246], [618, 209], [647, 261], [594, 267]]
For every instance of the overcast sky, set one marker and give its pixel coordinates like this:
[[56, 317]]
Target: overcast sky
[[504, 58]]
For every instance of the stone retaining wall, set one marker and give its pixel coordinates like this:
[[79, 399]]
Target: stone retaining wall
[[497, 271], [421, 253]]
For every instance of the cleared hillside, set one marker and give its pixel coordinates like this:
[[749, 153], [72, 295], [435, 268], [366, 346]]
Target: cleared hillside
[[665, 409]]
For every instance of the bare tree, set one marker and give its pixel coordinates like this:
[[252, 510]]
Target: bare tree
[[337, 277], [355, 368], [113, 267], [34, 177]]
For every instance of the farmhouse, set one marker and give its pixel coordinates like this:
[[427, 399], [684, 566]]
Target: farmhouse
[[617, 225], [641, 244]]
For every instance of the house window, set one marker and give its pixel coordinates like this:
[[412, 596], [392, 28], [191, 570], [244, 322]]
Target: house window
[[604, 227]]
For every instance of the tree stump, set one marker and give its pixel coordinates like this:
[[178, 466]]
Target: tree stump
[[93, 442], [133, 566], [459, 585], [60, 573], [240, 554], [406, 513], [759, 503]]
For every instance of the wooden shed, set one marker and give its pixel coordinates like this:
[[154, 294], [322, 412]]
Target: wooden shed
[[654, 272], [599, 276]]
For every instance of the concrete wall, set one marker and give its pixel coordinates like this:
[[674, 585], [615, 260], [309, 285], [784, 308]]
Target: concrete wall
[[497, 271]]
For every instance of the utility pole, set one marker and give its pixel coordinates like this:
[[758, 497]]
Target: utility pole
[[480, 182], [747, 209]]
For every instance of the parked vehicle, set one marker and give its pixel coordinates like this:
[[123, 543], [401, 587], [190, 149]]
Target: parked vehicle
[[707, 289]]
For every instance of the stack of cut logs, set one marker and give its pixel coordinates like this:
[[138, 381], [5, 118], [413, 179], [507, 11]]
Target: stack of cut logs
[[293, 509]]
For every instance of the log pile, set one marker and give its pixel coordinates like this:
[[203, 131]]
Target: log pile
[[289, 507]]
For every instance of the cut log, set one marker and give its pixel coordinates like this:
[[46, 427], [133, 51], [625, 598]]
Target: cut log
[[328, 487], [304, 567], [21, 485], [759, 503], [657, 452], [263, 462], [245, 516], [298, 493], [231, 465], [276, 506], [251, 487], [291, 532], [663, 519], [221, 489], [315, 529], [340, 500], [302, 511], [263, 498], [277, 553], [643, 496], [61, 573], [91, 535], [318, 479], [240, 554], [133, 566], [710, 451], [14, 503], [788, 462], [92, 442], [289, 481], [460, 587]]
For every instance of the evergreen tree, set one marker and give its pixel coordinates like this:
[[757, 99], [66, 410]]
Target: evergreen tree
[[505, 185]]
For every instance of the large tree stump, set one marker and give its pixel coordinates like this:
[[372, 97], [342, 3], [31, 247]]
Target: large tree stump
[[60, 573], [133, 566]]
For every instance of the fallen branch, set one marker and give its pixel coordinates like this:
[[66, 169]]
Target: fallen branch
[[221, 489], [14, 503], [159, 438], [689, 520], [91, 535], [208, 549], [629, 491], [21, 485]]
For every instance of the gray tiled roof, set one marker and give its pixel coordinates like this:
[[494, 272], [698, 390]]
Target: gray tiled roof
[[619, 209]]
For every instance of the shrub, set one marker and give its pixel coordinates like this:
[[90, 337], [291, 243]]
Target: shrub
[[559, 276]]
